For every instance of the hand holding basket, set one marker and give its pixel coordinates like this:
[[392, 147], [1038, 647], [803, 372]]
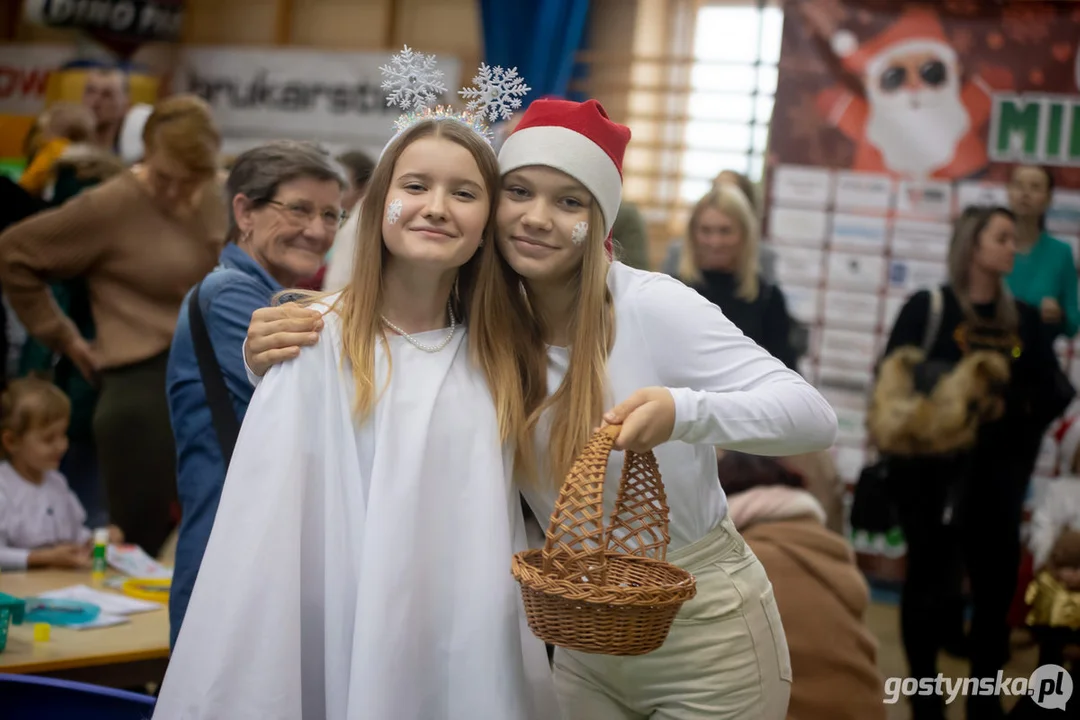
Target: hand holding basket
[[598, 590]]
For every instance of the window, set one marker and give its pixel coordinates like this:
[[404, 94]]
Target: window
[[695, 80], [736, 50]]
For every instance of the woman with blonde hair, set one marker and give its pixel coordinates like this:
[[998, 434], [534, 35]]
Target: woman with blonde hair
[[358, 562], [599, 342], [721, 263], [960, 507], [140, 240]]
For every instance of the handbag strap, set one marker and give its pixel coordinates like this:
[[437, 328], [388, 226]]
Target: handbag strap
[[222, 413], [933, 319]]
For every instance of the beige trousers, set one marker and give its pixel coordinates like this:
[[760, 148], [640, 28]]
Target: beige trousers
[[725, 659]]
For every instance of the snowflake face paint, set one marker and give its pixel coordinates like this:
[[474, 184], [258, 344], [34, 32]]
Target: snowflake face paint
[[580, 232], [393, 211]]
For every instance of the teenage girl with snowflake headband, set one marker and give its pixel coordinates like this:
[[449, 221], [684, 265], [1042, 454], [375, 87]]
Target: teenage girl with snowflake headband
[[357, 567], [593, 332]]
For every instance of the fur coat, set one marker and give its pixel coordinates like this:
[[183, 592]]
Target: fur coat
[[905, 422]]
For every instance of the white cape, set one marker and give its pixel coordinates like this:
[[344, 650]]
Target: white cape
[[356, 573]]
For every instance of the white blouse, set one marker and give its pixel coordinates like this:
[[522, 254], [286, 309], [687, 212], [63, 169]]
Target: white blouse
[[729, 393], [37, 516]]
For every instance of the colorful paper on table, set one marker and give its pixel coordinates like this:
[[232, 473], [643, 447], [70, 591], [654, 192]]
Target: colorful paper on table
[[132, 560], [110, 603], [64, 613]]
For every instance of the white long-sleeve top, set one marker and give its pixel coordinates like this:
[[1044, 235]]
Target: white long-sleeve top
[[36, 516], [728, 391], [1057, 511]]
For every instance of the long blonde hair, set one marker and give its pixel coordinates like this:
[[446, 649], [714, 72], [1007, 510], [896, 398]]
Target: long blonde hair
[[965, 239], [503, 315], [731, 201], [359, 305]]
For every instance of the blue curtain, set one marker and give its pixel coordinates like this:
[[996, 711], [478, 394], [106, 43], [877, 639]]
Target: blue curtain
[[538, 37]]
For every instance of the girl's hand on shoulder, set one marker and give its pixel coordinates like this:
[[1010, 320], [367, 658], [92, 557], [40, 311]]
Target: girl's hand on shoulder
[[647, 418], [277, 333]]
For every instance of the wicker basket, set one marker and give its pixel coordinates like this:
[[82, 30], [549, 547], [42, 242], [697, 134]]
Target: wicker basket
[[605, 592]]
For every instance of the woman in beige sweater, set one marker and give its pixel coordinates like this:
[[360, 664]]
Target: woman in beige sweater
[[141, 240]]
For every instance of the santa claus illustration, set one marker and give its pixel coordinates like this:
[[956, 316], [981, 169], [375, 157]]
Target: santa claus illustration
[[916, 118]]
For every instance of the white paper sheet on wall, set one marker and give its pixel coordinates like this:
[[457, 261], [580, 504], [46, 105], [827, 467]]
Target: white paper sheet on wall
[[975, 192], [852, 311], [925, 199], [799, 185], [856, 272], [802, 302], [796, 226], [920, 239], [912, 275], [860, 233], [846, 348], [867, 192], [799, 266], [841, 398], [1063, 217], [856, 380]]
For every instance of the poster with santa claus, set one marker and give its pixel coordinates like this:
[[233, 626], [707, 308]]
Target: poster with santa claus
[[890, 118]]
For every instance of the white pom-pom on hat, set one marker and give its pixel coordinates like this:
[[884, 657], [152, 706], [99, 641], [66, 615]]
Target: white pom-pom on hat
[[844, 43]]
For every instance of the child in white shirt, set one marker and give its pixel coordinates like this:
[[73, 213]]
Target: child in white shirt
[[41, 519]]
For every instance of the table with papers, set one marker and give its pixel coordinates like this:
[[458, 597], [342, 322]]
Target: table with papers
[[127, 646]]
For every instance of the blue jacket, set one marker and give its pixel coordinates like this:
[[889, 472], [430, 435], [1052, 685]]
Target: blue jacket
[[230, 293]]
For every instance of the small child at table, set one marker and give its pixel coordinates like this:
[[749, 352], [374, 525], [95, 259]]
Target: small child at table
[[41, 519]]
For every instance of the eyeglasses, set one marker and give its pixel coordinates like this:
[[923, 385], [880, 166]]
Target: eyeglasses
[[303, 213], [931, 72]]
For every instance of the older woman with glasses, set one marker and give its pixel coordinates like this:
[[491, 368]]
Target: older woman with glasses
[[285, 207]]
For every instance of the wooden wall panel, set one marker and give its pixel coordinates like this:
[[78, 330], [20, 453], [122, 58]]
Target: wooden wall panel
[[441, 26], [340, 24], [230, 22]]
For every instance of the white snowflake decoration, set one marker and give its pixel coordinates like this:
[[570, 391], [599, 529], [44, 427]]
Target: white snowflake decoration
[[393, 211], [581, 231], [412, 80], [497, 92]]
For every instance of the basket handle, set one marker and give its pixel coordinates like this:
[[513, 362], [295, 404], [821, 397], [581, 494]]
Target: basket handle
[[575, 539], [639, 521]]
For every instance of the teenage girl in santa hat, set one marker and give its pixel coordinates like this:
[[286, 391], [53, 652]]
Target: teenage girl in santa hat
[[594, 332]]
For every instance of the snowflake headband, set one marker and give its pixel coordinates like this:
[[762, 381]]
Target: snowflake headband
[[414, 83]]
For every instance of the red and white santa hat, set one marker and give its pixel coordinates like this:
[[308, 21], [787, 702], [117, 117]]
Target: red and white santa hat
[[576, 138], [918, 30]]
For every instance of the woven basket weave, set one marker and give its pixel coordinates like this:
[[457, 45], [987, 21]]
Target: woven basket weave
[[608, 592]]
